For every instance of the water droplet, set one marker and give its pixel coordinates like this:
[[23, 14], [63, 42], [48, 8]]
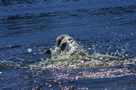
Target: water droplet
[[29, 50]]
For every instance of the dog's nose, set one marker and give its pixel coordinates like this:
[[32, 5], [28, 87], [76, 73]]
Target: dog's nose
[[48, 51]]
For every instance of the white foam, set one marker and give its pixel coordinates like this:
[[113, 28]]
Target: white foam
[[77, 57]]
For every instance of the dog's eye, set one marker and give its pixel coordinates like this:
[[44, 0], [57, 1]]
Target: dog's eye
[[71, 40]]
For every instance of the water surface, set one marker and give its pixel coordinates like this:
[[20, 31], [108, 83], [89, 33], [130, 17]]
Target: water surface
[[99, 26]]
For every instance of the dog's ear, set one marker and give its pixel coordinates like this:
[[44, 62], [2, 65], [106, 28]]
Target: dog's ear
[[63, 46], [59, 40]]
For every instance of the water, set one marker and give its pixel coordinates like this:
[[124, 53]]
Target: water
[[101, 27]]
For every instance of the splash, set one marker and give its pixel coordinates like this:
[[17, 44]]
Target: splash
[[67, 53]]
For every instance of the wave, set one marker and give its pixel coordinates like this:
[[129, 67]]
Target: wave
[[111, 2], [27, 9], [92, 61]]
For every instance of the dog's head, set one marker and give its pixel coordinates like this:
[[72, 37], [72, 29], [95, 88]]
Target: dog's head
[[64, 44]]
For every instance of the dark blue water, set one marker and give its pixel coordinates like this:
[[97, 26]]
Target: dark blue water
[[99, 26]]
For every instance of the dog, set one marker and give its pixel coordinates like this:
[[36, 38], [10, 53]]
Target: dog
[[65, 46]]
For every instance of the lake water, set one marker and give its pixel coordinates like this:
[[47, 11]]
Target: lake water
[[101, 27]]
